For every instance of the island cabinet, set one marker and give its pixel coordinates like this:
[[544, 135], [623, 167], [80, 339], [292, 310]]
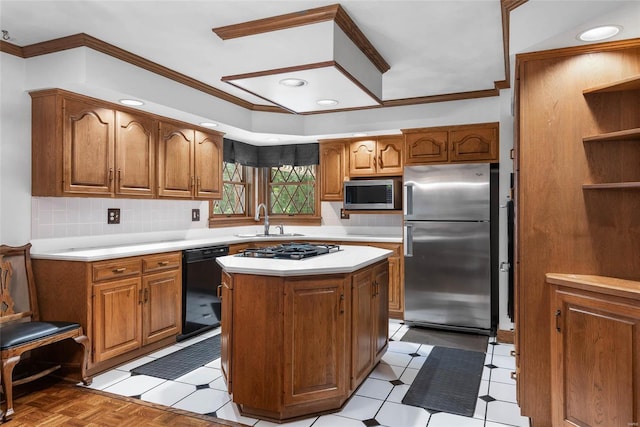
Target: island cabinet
[[189, 162], [127, 306], [369, 327], [452, 144], [595, 351], [288, 345], [83, 147]]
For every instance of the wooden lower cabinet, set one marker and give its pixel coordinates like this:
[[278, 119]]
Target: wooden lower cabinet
[[290, 354], [127, 306], [595, 351]]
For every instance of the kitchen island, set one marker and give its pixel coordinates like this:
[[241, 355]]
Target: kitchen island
[[300, 336]]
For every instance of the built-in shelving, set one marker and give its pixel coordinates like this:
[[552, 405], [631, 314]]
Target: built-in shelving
[[622, 135], [631, 83], [612, 185]]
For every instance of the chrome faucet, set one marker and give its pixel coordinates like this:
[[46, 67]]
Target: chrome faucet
[[266, 217]]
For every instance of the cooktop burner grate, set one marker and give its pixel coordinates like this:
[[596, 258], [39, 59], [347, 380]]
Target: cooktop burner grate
[[294, 250]]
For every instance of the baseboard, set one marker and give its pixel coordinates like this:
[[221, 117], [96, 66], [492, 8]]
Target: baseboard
[[504, 336]]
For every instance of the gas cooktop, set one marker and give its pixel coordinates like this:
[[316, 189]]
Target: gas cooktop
[[294, 250]]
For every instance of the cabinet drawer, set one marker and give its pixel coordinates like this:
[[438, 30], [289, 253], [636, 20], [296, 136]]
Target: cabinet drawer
[[161, 262], [115, 269]]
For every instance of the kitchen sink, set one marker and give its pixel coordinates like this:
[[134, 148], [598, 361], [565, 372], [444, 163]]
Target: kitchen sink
[[269, 235]]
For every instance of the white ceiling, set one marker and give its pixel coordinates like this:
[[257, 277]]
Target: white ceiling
[[434, 47]]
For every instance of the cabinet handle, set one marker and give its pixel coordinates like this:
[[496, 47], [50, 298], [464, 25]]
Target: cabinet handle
[[197, 184], [140, 297], [119, 270], [119, 175], [558, 313], [163, 262], [380, 161], [146, 295], [110, 174], [341, 304], [375, 162], [514, 376], [193, 180], [219, 292]]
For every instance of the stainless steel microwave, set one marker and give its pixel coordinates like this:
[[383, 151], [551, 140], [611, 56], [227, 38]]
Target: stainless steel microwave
[[373, 194]]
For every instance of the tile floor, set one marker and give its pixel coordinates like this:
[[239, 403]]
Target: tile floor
[[377, 402]]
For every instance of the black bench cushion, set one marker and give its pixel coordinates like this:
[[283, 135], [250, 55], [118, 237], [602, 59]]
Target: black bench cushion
[[16, 334]]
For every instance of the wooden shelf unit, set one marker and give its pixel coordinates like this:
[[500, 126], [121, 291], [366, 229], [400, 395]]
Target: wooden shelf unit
[[612, 185], [622, 135], [630, 83]]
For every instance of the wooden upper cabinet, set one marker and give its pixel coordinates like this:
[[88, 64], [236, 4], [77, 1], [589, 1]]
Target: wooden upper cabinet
[[474, 143], [426, 147], [175, 161], [189, 163], [333, 165], [452, 144], [208, 165], [135, 138], [88, 148], [374, 157]]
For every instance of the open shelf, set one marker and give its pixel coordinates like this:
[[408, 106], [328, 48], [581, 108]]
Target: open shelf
[[612, 185], [622, 135], [631, 83]]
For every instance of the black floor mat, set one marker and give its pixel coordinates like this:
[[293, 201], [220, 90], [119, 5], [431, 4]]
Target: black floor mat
[[442, 338], [448, 382], [183, 361]]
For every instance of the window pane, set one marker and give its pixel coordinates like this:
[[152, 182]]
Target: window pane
[[234, 191], [292, 190]]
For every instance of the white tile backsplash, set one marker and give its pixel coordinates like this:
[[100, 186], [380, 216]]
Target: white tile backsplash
[[55, 217]]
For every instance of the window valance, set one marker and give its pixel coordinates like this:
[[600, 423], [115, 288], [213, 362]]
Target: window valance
[[271, 156]]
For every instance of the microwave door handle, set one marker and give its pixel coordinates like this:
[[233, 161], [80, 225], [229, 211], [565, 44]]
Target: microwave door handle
[[408, 199], [408, 240]]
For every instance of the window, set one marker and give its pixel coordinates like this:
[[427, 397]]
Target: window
[[292, 190], [234, 191]]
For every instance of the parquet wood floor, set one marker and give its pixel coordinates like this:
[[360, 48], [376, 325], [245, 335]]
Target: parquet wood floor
[[51, 402]]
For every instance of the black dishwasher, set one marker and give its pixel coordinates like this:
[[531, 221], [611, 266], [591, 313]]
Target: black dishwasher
[[201, 276]]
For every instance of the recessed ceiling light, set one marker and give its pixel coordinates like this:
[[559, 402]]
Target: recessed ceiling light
[[209, 124], [360, 134], [133, 102], [327, 102], [293, 82], [599, 33]]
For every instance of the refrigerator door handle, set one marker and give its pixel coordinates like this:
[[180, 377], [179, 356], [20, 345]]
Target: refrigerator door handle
[[408, 240], [408, 199]]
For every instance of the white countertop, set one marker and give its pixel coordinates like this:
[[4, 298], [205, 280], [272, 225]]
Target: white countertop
[[98, 250], [348, 259]]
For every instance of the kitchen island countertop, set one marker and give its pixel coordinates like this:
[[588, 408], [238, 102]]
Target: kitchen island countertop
[[347, 260]]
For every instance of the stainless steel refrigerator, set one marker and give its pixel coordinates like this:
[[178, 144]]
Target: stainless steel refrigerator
[[447, 241]]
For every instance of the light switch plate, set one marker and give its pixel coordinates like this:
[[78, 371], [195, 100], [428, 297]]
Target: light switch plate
[[113, 216], [195, 214]]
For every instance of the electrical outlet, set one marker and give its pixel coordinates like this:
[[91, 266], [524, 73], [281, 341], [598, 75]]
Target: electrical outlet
[[113, 216], [195, 214], [343, 214]]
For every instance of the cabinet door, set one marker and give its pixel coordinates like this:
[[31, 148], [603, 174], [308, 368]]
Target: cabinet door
[[88, 149], [396, 297], [226, 327], [161, 305], [208, 166], [315, 368], [381, 308], [332, 170], [362, 158], [116, 318], [175, 161], [136, 137], [426, 147], [595, 363], [474, 144], [389, 155], [362, 325]]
